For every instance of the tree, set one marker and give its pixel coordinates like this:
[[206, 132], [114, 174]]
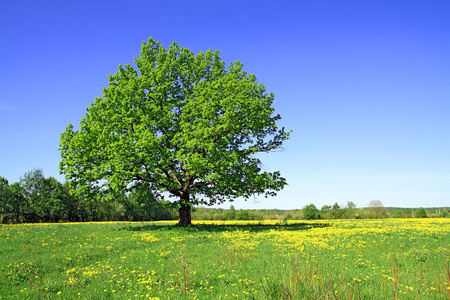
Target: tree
[[18, 204], [336, 211], [351, 205], [33, 183], [5, 200], [377, 210], [41, 199], [310, 212], [325, 209], [231, 213], [350, 210], [422, 213], [57, 204], [181, 123]]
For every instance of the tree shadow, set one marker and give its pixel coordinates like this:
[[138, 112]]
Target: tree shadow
[[254, 227]]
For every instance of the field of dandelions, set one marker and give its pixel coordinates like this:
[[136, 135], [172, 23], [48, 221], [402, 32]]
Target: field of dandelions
[[337, 259]]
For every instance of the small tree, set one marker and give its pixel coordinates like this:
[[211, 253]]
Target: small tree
[[33, 183], [422, 213], [324, 211], [6, 198], [231, 213], [336, 211], [181, 123], [350, 210], [19, 205], [310, 212], [57, 201], [377, 210]]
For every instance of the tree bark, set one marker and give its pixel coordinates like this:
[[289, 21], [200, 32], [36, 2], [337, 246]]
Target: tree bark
[[184, 212]]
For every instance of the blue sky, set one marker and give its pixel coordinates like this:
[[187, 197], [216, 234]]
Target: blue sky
[[364, 85]]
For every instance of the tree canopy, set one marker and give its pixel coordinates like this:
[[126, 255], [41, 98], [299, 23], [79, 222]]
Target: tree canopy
[[180, 123], [376, 209]]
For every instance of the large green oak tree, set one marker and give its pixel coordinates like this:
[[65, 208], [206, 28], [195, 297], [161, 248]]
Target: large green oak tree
[[178, 123]]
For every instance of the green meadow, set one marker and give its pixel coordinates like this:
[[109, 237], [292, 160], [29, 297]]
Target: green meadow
[[332, 259]]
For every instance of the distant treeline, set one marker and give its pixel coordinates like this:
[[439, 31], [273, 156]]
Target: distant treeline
[[310, 212], [35, 198]]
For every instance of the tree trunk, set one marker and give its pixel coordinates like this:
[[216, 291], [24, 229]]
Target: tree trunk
[[184, 212]]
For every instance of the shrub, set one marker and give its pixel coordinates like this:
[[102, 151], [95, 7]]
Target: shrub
[[422, 213], [310, 212]]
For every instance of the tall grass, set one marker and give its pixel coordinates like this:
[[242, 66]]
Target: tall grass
[[344, 259]]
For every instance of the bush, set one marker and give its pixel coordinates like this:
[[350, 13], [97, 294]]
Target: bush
[[422, 213], [310, 212]]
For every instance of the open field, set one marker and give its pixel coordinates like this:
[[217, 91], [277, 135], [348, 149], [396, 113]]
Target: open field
[[341, 259]]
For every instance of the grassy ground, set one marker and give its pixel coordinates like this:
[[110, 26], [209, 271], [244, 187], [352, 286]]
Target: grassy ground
[[343, 259]]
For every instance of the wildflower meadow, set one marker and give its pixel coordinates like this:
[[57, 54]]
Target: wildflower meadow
[[324, 259]]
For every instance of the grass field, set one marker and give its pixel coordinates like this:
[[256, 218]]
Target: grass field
[[342, 259]]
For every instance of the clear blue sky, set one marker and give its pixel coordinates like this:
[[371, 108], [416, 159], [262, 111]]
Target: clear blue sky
[[364, 85]]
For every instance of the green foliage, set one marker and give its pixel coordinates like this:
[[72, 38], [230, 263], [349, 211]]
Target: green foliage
[[180, 122], [310, 212], [336, 211], [351, 205], [397, 214], [377, 210], [38, 199], [203, 213], [142, 204], [422, 213], [6, 197], [231, 213], [35, 199], [350, 210], [407, 213], [325, 209], [332, 212]]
